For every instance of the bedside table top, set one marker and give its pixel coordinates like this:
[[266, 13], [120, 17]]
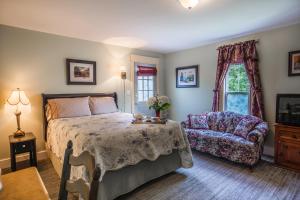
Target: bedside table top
[[28, 136]]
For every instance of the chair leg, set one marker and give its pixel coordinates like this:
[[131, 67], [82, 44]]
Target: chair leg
[[66, 172], [93, 195]]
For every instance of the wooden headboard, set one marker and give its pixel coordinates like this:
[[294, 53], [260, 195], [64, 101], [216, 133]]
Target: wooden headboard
[[57, 96]]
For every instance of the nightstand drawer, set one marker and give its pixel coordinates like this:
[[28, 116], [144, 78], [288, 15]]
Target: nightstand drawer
[[289, 135], [23, 147]]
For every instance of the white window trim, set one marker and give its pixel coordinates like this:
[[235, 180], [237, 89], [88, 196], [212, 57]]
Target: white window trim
[[146, 60]]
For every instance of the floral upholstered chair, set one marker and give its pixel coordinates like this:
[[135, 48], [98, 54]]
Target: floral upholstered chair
[[236, 137]]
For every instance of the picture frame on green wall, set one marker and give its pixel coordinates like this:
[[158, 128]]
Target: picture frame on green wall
[[187, 77], [81, 72]]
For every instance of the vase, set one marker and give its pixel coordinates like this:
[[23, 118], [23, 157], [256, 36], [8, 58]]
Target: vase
[[157, 113]]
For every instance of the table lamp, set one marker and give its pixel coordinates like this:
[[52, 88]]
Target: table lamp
[[18, 102]]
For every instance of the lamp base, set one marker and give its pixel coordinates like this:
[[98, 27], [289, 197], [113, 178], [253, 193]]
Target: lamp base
[[19, 133]]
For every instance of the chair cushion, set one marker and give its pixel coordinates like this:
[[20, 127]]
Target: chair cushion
[[215, 136], [198, 121], [24, 184]]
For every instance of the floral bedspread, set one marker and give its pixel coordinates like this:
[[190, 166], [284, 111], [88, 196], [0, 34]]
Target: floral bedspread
[[115, 142]]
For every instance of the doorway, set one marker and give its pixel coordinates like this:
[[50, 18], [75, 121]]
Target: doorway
[[144, 75]]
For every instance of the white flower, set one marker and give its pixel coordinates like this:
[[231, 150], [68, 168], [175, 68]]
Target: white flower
[[151, 101], [163, 99]]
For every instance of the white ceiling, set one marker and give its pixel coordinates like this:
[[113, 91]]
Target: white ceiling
[[157, 25]]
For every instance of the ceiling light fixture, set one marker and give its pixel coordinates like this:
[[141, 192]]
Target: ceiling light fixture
[[189, 4]]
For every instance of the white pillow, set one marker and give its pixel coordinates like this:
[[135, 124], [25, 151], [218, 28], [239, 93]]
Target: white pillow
[[69, 107], [102, 105]]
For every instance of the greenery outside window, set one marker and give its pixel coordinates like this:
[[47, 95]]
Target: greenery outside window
[[236, 89]]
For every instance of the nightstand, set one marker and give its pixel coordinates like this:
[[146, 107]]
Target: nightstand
[[22, 145], [287, 146]]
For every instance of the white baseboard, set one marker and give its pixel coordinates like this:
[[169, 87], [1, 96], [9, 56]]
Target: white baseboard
[[5, 163]]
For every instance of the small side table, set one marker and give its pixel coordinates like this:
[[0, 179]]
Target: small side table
[[22, 145], [23, 184]]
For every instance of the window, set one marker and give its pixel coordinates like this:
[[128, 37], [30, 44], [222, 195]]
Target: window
[[145, 86], [236, 89]]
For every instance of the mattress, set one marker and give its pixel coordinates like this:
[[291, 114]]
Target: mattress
[[116, 143]]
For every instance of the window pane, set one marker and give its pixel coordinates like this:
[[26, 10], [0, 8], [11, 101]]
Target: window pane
[[236, 79], [150, 84], [140, 84], [232, 79], [146, 84], [237, 102], [243, 80], [145, 95], [150, 77], [236, 89], [140, 95], [151, 94]]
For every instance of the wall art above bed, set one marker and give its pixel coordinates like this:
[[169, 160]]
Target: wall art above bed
[[187, 77], [81, 72]]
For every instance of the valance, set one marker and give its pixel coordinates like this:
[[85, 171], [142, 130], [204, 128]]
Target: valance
[[146, 71]]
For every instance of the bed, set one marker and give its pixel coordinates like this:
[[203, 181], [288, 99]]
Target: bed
[[128, 155]]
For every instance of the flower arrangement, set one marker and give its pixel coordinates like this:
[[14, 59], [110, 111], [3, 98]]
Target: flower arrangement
[[158, 103]]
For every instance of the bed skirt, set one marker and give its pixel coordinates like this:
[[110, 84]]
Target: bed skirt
[[117, 183]]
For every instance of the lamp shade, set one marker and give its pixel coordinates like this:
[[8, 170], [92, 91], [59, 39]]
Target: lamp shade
[[189, 4], [17, 96], [18, 101]]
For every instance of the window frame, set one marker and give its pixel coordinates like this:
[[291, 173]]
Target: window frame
[[225, 93]]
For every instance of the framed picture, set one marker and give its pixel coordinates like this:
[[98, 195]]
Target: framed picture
[[294, 63], [81, 72], [187, 77]]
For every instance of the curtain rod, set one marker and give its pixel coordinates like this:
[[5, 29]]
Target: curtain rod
[[256, 41]]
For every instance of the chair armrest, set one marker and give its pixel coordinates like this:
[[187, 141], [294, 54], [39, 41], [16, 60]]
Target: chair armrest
[[258, 134], [183, 124]]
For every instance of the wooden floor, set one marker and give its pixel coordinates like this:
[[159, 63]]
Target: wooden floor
[[210, 178]]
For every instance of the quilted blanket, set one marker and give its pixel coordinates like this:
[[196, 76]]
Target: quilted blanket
[[115, 142]]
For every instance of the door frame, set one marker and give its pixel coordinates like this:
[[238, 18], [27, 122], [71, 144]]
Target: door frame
[[146, 60]]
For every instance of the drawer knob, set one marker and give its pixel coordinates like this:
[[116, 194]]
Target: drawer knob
[[23, 145]]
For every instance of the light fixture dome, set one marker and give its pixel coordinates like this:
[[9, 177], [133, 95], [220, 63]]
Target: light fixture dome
[[189, 4]]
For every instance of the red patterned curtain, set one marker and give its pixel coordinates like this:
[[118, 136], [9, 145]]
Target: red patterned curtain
[[246, 53], [224, 60], [146, 71]]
